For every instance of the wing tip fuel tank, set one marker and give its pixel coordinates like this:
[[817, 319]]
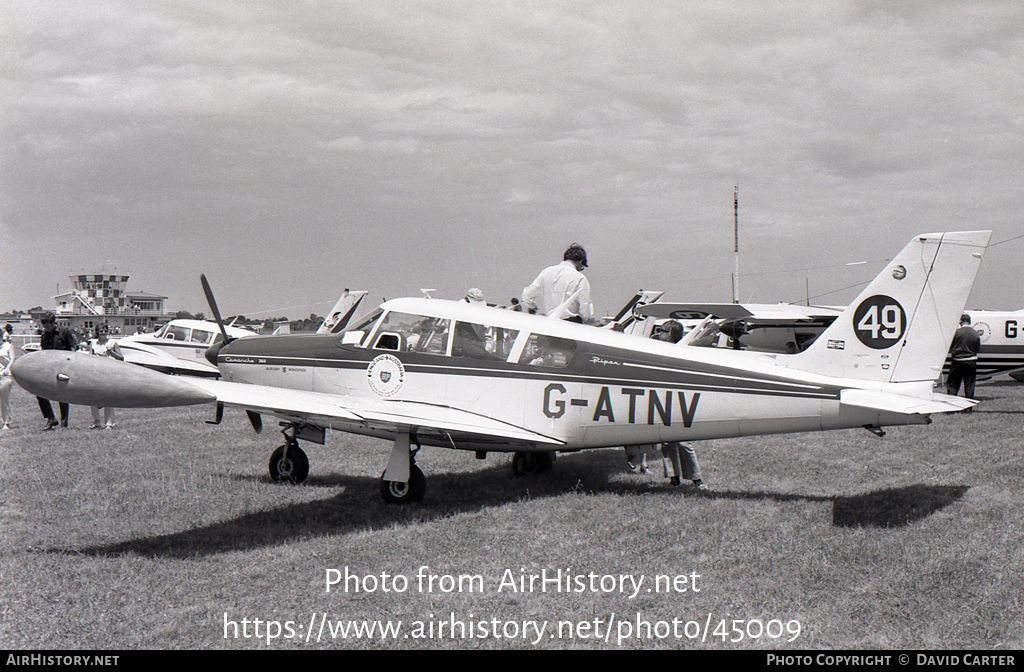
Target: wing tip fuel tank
[[88, 380]]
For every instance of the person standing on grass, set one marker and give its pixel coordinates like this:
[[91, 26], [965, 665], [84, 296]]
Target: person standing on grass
[[679, 459], [54, 338], [964, 365], [102, 346], [6, 359]]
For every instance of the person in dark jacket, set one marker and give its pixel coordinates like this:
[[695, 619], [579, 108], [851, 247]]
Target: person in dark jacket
[[54, 338], [964, 355]]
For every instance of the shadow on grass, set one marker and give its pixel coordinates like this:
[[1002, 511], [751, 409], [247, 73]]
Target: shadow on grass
[[895, 507], [358, 507]]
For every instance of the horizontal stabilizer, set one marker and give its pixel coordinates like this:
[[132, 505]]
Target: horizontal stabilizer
[[900, 403]]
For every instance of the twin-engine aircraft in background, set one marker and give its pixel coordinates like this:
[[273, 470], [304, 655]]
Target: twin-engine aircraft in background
[[476, 378], [178, 347]]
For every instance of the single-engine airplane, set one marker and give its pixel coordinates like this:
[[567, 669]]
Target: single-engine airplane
[[477, 378]]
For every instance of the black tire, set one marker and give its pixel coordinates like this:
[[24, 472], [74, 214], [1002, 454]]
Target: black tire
[[396, 492], [531, 464], [293, 469]]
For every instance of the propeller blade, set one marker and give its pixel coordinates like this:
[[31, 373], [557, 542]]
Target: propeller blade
[[214, 350], [213, 307]]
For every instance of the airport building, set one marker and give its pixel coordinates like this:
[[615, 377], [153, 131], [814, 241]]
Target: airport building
[[99, 298]]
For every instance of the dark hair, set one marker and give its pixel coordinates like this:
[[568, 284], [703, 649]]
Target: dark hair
[[673, 328], [575, 252]]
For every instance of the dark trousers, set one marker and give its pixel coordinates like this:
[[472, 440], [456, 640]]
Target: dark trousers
[[962, 372], [47, 409]]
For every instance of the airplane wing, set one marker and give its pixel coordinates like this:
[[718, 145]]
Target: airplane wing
[[389, 415]]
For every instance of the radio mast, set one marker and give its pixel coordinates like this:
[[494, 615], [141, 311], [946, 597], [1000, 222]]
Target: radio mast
[[736, 238]]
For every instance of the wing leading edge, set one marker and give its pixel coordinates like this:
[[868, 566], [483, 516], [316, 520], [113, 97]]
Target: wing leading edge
[[322, 408]]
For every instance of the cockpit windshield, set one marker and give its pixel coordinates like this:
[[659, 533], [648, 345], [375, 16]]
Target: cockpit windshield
[[541, 350], [356, 333]]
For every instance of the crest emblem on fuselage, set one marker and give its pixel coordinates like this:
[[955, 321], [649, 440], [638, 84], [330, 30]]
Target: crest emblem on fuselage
[[385, 375]]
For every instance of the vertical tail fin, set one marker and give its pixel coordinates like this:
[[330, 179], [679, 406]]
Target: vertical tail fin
[[342, 312], [899, 329]]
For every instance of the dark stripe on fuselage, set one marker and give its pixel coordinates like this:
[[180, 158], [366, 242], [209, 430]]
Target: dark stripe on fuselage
[[995, 359], [590, 364]]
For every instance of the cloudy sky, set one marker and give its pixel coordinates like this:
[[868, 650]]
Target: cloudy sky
[[290, 150]]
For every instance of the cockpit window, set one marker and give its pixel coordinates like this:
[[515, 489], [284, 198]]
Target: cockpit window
[[405, 332], [356, 334], [479, 341], [543, 350], [175, 333], [367, 322], [429, 335], [201, 336]]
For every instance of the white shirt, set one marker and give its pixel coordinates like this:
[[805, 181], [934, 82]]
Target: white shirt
[[554, 286], [104, 349], [6, 357]]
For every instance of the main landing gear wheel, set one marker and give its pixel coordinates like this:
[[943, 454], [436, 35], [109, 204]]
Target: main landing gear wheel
[[291, 468], [396, 492], [530, 464]]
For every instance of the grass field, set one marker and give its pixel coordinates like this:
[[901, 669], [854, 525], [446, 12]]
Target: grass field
[[166, 533]]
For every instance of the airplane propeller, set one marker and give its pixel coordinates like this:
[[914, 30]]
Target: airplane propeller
[[214, 350]]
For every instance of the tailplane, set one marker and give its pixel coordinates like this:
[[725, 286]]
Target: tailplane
[[899, 329]]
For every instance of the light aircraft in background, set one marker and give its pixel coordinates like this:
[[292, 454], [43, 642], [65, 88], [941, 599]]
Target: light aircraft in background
[[179, 347], [1002, 343], [789, 328], [778, 328], [471, 377]]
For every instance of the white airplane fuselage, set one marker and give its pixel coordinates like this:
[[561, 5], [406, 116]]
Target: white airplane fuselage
[[612, 389]]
